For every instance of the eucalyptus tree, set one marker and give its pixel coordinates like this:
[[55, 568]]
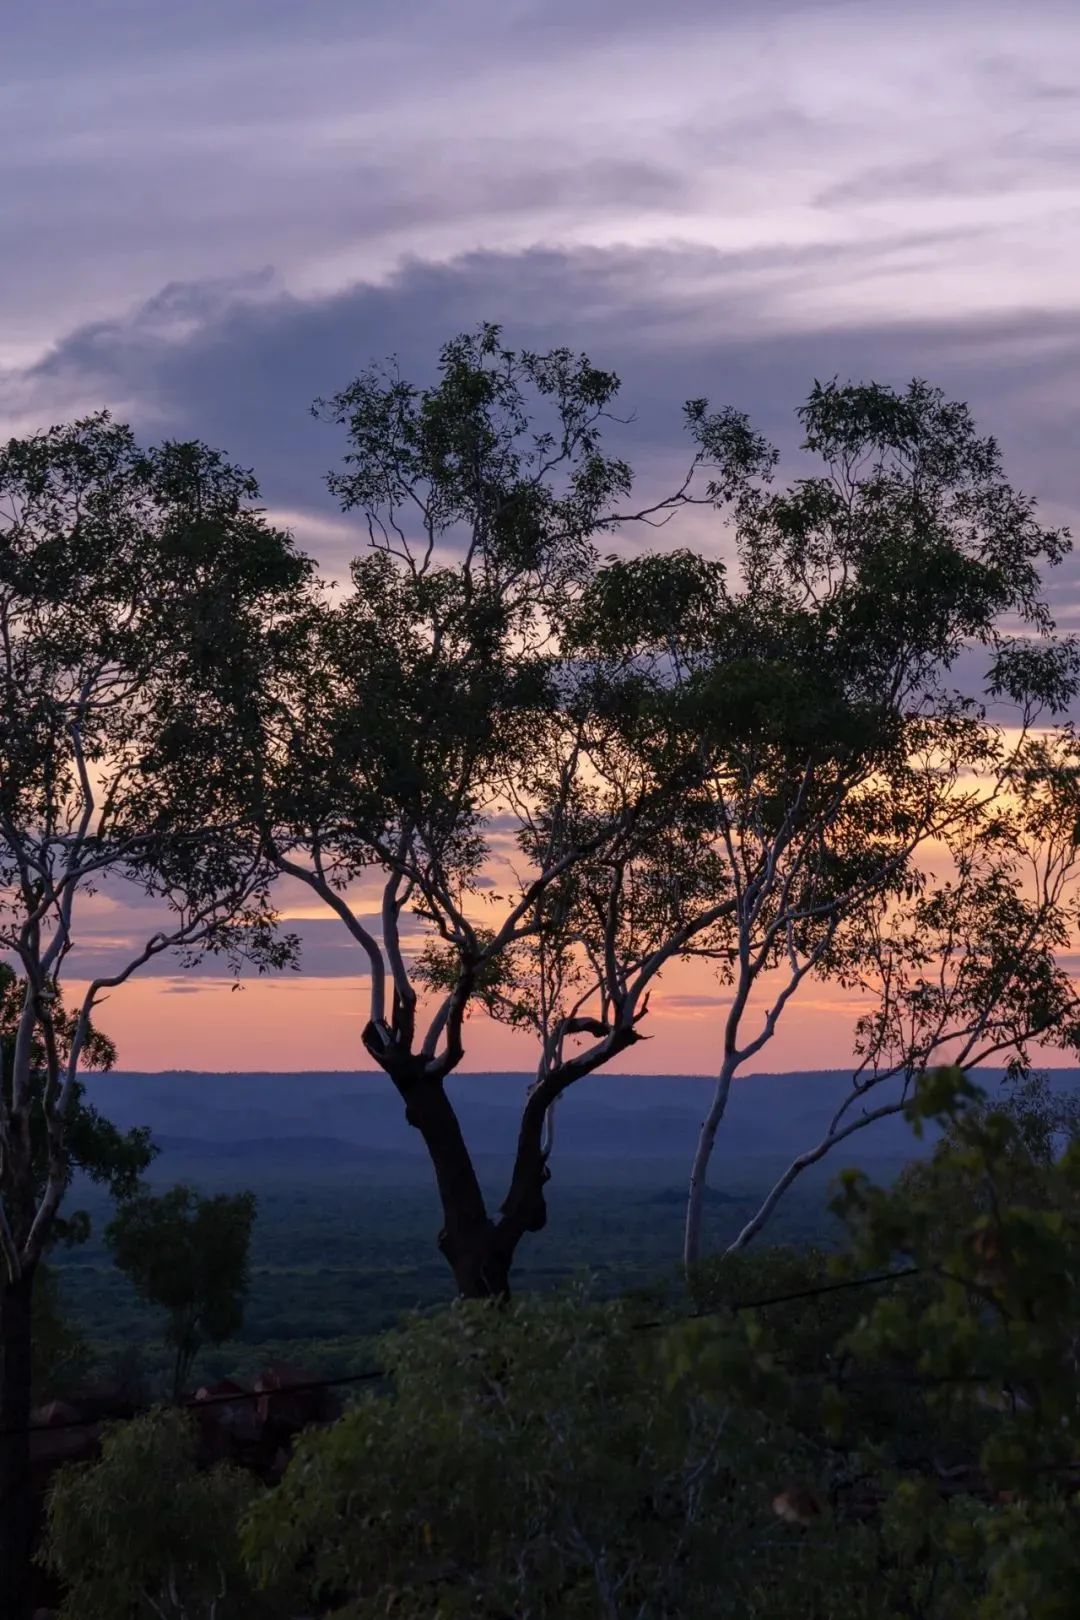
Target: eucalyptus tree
[[189, 1255], [640, 888], [416, 759], [836, 758], [971, 969], [814, 744], [773, 809], [132, 584]]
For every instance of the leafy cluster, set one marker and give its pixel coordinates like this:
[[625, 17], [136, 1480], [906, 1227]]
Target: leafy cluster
[[146, 1534], [189, 1255]]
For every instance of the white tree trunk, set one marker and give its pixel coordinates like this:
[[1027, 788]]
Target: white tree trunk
[[695, 1202]]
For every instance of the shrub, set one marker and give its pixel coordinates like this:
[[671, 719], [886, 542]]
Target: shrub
[[144, 1534], [541, 1459]]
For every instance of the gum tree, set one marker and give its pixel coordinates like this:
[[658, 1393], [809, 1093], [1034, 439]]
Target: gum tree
[[968, 971], [189, 1256], [416, 762], [131, 585], [849, 741]]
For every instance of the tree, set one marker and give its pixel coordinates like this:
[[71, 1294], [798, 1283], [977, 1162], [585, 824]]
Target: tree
[[992, 1226], [188, 1255], [538, 1460], [108, 1157], [762, 761], [419, 730], [783, 757], [33, 1336], [131, 582], [602, 782], [1038, 1123], [841, 751], [145, 1532], [968, 969]]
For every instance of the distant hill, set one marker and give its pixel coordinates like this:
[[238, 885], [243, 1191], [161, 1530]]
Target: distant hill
[[640, 1123]]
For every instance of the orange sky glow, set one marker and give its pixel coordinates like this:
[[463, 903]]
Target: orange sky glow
[[304, 1022], [311, 1020]]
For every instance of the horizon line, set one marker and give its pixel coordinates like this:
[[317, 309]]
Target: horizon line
[[528, 1074]]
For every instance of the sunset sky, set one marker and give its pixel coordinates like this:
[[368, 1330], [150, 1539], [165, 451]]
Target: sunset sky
[[213, 213]]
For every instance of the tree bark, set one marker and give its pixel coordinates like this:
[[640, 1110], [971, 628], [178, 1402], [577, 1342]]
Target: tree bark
[[695, 1202], [481, 1263], [525, 1206], [16, 1496], [470, 1241]]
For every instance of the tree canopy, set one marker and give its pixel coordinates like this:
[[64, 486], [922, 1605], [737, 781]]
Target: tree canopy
[[189, 1255]]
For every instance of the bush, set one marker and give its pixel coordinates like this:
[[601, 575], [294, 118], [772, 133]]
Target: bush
[[144, 1534], [988, 1362], [541, 1459]]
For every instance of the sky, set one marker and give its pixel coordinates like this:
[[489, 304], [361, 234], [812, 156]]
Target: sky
[[211, 213]]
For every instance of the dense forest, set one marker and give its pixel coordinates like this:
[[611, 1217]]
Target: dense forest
[[543, 747]]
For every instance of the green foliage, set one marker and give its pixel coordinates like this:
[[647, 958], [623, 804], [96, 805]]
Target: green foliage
[[189, 1255], [477, 450], [874, 1451], [60, 1350], [992, 1225], [808, 1328], [534, 1460], [145, 1534], [1039, 1123]]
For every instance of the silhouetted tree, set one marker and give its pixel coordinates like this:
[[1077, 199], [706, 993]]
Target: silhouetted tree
[[188, 1255], [130, 581], [968, 968], [834, 747], [396, 739]]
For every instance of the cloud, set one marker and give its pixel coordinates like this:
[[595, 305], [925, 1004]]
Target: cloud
[[334, 141], [327, 951], [688, 1002], [238, 362]]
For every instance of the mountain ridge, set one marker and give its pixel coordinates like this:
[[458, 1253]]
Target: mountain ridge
[[605, 1118]]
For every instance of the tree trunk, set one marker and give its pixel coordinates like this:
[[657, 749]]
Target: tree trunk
[[481, 1264], [16, 1497], [695, 1202], [525, 1207], [470, 1242]]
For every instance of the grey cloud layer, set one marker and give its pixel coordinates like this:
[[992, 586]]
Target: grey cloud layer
[[146, 143], [239, 364], [326, 951]]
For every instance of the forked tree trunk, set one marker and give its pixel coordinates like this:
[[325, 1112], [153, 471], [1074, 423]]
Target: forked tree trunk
[[470, 1241], [16, 1497], [480, 1251]]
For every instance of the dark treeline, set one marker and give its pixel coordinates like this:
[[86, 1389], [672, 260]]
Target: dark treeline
[[530, 763]]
